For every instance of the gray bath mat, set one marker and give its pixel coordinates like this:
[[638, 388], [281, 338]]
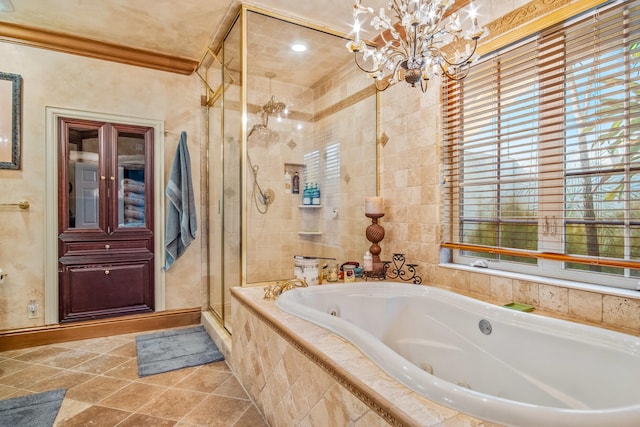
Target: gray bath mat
[[39, 409], [176, 349]]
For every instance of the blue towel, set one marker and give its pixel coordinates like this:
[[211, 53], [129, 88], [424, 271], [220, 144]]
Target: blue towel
[[181, 216]]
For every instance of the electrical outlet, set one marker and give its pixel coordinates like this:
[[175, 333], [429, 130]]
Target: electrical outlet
[[33, 309]]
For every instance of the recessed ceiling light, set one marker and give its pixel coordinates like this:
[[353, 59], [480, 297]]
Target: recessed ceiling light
[[6, 6], [298, 47]]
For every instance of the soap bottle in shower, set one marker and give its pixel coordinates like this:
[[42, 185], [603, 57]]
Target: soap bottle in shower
[[287, 182], [315, 195], [295, 183], [306, 195]]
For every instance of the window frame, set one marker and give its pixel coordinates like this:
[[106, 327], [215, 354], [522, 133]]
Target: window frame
[[550, 256]]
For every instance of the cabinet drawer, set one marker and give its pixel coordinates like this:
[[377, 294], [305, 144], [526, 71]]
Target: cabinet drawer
[[82, 248]]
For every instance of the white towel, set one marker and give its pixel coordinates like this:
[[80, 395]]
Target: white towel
[[181, 215]]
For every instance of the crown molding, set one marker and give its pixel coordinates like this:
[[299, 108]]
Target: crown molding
[[531, 18], [66, 43]]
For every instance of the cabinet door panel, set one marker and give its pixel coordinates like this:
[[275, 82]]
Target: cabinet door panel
[[103, 290]]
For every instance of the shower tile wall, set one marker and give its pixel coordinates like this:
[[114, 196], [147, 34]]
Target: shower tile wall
[[318, 119]]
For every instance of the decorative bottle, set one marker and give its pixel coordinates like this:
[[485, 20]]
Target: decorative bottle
[[295, 183], [315, 195]]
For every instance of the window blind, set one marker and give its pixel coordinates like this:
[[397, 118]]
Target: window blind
[[541, 146]]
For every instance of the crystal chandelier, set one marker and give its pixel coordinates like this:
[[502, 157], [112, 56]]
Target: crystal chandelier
[[416, 44]]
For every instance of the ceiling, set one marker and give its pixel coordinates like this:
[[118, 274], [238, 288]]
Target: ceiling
[[180, 29]]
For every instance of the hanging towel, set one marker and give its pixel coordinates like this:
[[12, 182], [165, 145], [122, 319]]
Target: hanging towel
[[181, 215]]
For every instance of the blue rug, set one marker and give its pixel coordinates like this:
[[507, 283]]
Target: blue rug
[[176, 349], [39, 409]]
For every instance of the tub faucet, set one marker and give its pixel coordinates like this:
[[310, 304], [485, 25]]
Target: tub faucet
[[272, 292]]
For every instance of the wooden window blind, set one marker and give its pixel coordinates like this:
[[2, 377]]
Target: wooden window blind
[[541, 146]]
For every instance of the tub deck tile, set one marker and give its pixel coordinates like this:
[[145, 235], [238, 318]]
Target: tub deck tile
[[335, 375]]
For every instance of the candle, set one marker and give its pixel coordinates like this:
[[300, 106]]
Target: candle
[[373, 205]]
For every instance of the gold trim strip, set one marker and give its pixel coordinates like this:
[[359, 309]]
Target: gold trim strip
[[345, 103], [332, 109], [293, 20], [60, 42]]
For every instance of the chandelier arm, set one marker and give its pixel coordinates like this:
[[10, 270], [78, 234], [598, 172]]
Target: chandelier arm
[[396, 68], [377, 70], [396, 8], [396, 51], [402, 48], [424, 83], [389, 43], [465, 60], [461, 73]]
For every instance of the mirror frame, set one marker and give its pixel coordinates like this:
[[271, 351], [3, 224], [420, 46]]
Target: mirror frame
[[15, 81]]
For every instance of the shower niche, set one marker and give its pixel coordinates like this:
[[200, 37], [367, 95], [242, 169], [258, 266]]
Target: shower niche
[[308, 110]]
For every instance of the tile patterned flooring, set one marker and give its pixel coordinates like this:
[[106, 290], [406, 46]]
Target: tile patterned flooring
[[103, 388]]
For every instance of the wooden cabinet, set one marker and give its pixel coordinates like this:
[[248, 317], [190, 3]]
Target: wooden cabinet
[[105, 220]]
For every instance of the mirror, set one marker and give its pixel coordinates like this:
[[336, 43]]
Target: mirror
[[10, 111], [309, 113]]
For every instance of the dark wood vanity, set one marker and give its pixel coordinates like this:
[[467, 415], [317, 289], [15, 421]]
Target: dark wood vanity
[[105, 220]]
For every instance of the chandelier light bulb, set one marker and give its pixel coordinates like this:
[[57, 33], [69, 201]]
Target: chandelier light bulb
[[417, 41]]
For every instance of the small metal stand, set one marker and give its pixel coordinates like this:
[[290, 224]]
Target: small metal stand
[[398, 272]]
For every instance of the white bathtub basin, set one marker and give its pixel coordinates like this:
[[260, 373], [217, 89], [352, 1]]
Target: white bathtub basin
[[490, 362]]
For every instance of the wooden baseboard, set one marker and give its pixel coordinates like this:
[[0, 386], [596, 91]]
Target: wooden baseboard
[[32, 337]]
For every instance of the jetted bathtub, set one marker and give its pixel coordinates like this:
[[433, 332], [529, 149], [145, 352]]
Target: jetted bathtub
[[487, 361]]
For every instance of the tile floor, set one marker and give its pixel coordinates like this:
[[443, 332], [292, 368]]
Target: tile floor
[[103, 388]]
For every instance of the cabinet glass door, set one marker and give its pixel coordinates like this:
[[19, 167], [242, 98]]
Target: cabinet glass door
[[131, 167], [83, 173]]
